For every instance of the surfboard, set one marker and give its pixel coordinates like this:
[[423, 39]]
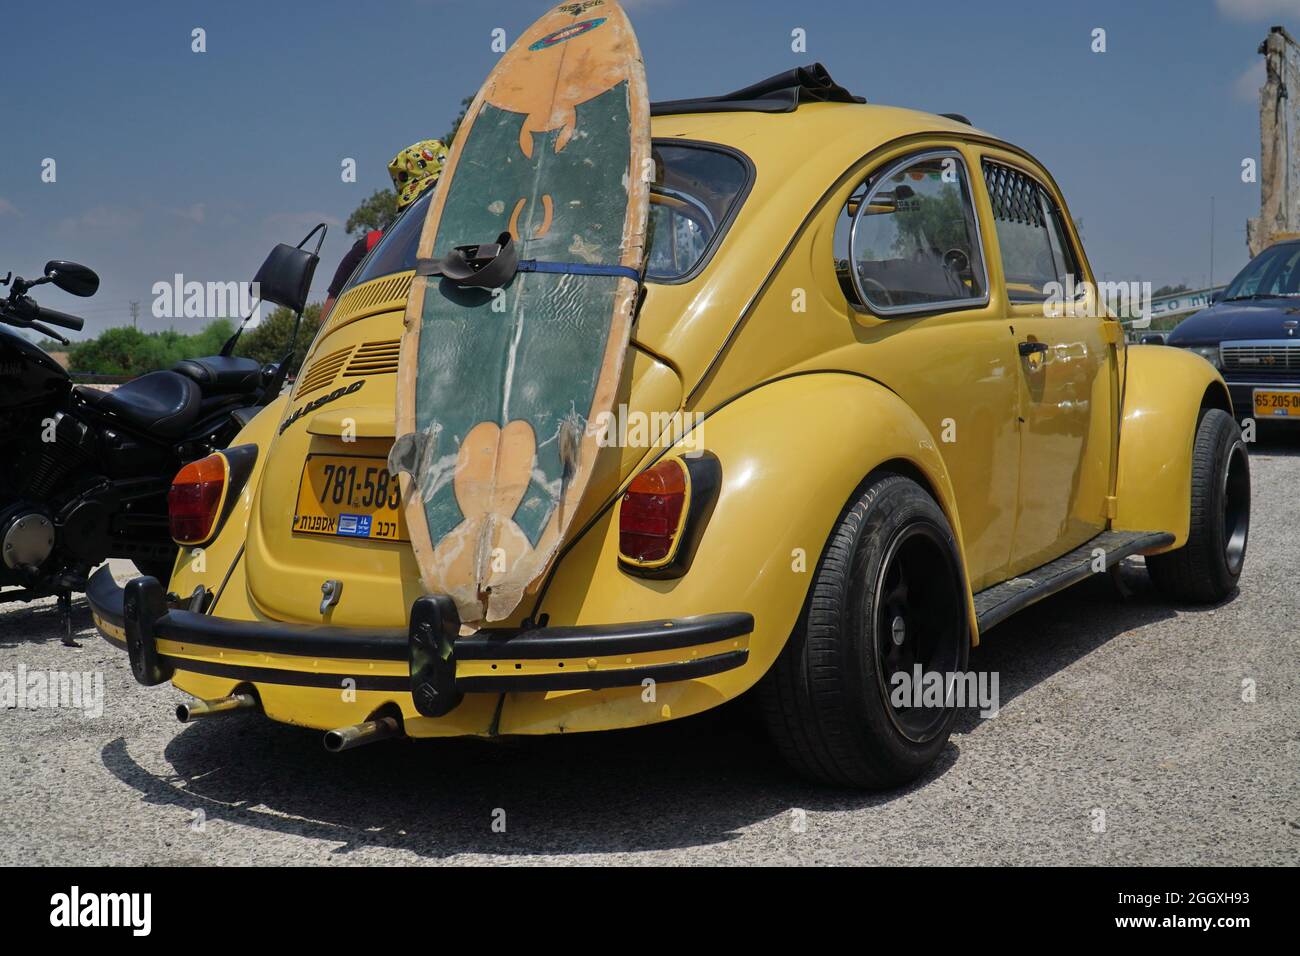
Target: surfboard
[[503, 375]]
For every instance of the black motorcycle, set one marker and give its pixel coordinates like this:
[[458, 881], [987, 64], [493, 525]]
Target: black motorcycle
[[84, 473]]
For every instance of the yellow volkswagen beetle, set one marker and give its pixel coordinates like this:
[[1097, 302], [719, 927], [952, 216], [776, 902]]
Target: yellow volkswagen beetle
[[872, 406]]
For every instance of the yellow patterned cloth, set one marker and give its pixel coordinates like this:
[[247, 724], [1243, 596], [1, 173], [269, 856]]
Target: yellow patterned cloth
[[415, 169]]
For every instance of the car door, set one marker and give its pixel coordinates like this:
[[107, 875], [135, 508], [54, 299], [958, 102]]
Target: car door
[[1066, 361], [915, 270]]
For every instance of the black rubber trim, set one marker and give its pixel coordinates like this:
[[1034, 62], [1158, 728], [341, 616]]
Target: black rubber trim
[[148, 620], [240, 459], [782, 93], [594, 641], [301, 640], [105, 597], [996, 604], [577, 680], [296, 640], [271, 675], [144, 606], [706, 482], [601, 679]]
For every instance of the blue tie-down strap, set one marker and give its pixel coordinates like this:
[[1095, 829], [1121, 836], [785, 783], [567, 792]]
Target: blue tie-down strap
[[490, 265], [579, 269]]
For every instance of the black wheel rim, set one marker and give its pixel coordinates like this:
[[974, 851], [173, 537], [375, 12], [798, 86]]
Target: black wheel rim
[[1236, 508], [919, 620]]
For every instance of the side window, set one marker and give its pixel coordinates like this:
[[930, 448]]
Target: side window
[[913, 245], [1035, 246]]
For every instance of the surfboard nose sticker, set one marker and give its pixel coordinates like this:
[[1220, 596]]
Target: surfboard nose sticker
[[602, 54]]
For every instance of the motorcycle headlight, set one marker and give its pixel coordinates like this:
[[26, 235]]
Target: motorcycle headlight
[[1210, 353]]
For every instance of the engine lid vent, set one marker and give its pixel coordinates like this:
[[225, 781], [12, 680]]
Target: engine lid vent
[[374, 358], [323, 371]]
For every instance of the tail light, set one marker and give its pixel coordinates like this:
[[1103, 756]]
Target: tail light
[[652, 513], [196, 498]]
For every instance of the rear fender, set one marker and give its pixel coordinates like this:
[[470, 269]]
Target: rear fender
[[793, 452]]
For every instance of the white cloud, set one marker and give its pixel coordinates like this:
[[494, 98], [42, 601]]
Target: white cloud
[[99, 219], [196, 213], [7, 208], [291, 226], [1246, 85], [1257, 9]]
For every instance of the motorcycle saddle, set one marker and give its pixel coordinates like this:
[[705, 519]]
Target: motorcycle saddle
[[163, 403], [222, 374]]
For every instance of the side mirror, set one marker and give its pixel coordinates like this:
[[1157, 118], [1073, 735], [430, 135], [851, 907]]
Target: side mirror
[[1153, 338], [72, 277], [1216, 296], [285, 277]]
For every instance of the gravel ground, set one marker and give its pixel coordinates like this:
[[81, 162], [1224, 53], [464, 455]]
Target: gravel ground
[[1124, 738]]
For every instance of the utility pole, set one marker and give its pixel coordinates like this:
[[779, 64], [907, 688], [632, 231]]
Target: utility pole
[[1211, 285], [135, 314]]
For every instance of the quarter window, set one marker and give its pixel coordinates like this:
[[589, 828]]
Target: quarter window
[[914, 245], [696, 190], [1035, 247]]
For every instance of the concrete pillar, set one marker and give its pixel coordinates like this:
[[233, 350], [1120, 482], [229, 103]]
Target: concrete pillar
[[1279, 135]]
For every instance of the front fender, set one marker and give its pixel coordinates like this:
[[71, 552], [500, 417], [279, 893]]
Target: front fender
[[1165, 390], [792, 453]]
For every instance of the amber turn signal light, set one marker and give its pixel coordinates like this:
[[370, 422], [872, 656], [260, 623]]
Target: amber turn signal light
[[195, 499], [652, 512]]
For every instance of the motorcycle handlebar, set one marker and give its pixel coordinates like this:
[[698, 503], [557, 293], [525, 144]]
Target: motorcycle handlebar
[[55, 317]]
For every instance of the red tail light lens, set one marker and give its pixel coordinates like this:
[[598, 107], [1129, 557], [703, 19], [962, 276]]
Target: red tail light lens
[[194, 502], [650, 515]]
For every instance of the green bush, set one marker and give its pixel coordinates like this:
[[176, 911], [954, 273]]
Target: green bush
[[270, 339], [127, 351]]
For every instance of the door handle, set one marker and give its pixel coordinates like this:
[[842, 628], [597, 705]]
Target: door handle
[[1032, 348]]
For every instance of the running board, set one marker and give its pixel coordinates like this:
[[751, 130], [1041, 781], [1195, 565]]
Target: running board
[[996, 604]]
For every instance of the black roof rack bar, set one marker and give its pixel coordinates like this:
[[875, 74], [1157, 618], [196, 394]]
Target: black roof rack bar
[[957, 117], [782, 93]]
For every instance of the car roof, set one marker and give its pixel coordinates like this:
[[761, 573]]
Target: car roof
[[850, 129]]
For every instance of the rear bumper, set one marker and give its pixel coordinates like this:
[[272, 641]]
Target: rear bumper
[[429, 659]]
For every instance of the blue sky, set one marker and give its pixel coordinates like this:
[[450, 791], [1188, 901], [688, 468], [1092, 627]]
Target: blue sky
[[171, 161]]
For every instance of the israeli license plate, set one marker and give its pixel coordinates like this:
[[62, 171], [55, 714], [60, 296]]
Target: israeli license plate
[[347, 497], [1277, 404]]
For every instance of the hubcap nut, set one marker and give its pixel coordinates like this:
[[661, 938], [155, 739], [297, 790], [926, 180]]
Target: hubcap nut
[[898, 629]]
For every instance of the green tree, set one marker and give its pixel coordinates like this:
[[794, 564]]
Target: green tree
[[450, 135], [269, 340], [377, 211], [1171, 290], [933, 220]]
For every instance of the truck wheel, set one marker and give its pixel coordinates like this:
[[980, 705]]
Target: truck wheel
[[1206, 568], [887, 596]]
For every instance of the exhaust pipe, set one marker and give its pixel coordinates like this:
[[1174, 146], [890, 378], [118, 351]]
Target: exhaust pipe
[[212, 708], [347, 738]]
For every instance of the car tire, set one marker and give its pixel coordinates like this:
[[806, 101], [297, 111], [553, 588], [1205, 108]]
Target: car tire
[[1206, 568], [826, 699]]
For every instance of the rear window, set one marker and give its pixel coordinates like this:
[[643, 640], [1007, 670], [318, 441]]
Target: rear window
[[694, 196], [396, 251]]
